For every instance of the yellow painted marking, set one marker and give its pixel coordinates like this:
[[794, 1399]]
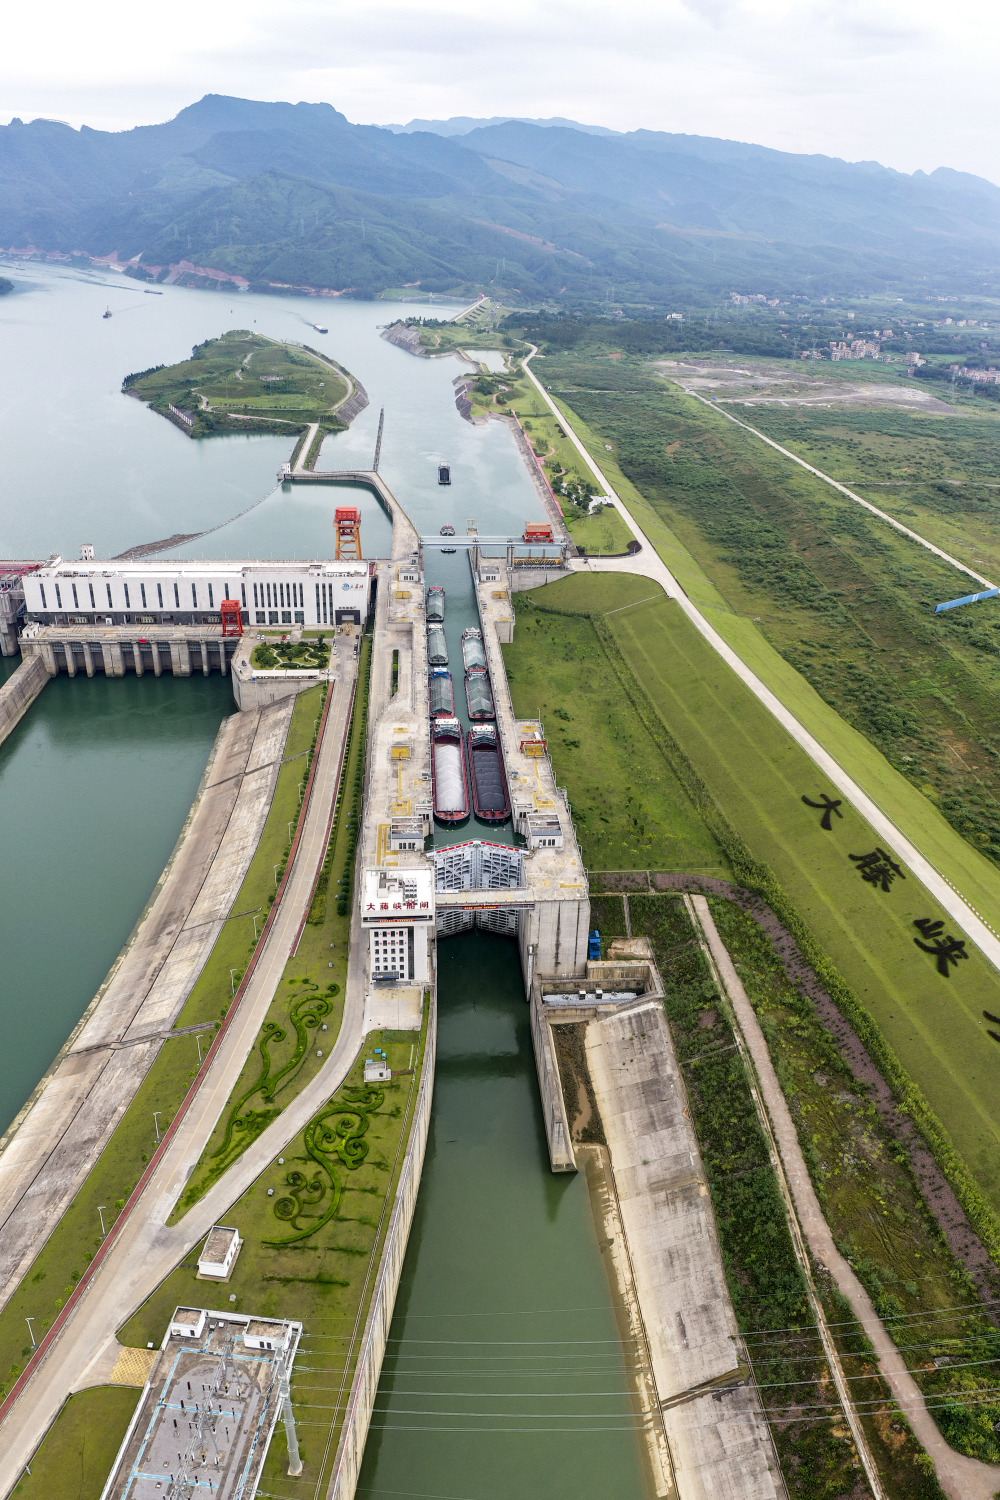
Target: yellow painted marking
[[133, 1366]]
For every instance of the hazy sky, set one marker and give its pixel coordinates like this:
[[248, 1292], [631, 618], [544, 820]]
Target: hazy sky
[[911, 83]]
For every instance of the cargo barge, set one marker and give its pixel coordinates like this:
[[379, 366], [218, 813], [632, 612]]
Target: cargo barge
[[437, 646], [435, 603], [487, 774], [473, 650], [449, 776], [479, 694], [441, 691], [447, 531]]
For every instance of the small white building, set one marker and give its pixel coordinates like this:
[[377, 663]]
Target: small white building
[[267, 1333], [188, 1323], [157, 591], [219, 1253]]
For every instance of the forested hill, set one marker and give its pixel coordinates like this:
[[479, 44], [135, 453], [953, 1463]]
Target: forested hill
[[283, 193]]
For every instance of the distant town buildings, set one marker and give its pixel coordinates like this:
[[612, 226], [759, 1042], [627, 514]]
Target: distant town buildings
[[856, 349], [979, 377], [738, 299]]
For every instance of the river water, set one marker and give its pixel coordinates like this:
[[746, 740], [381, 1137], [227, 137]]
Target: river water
[[96, 782]]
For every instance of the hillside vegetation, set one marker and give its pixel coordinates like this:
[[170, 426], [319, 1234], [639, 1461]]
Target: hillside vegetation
[[296, 194]]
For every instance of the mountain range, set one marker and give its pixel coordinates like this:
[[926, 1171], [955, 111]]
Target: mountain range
[[542, 211]]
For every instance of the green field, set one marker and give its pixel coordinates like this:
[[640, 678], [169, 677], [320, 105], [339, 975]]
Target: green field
[[630, 810], [244, 381], [794, 572], [758, 776], [603, 532], [76, 1455]]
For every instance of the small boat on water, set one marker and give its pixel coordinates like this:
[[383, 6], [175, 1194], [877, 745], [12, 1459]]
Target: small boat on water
[[437, 646], [435, 603], [447, 531], [449, 776], [473, 650], [487, 777], [444, 473], [320, 329], [148, 292], [479, 694], [106, 313], [441, 691]]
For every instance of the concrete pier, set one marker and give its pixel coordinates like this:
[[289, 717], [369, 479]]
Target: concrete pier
[[19, 693], [117, 649]]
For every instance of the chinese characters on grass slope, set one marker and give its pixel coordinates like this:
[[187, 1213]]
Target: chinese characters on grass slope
[[878, 869]]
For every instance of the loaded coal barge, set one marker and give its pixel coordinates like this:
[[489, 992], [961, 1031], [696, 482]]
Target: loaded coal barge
[[487, 775]]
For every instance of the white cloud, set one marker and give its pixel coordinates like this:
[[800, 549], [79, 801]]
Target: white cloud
[[900, 81]]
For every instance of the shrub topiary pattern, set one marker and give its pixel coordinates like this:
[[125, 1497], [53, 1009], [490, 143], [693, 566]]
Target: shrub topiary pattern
[[335, 1142]]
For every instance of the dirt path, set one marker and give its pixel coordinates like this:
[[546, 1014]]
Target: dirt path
[[961, 1478]]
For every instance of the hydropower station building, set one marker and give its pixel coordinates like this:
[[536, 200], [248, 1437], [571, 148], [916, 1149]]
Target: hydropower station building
[[132, 591]]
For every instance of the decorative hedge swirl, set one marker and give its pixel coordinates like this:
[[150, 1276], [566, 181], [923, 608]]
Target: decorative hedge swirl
[[304, 1015], [335, 1141]]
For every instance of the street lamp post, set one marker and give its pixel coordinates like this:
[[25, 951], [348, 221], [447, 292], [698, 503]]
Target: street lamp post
[[100, 1209], [255, 930], [232, 981], [276, 877], [198, 1040], [29, 1322], [156, 1124]]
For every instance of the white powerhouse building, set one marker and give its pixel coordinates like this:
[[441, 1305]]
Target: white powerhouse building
[[126, 591]]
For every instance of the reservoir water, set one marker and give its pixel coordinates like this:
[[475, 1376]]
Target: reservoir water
[[95, 785]]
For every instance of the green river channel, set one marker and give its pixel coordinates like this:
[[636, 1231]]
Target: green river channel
[[504, 1295]]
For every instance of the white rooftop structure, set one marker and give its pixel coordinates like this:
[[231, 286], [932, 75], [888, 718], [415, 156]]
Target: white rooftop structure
[[190, 591]]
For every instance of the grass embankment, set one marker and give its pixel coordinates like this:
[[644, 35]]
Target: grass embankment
[[630, 809], [77, 1452], [304, 1018], [314, 1225], [871, 1202], [861, 939], [818, 1457], [70, 1247], [839, 597], [245, 382]]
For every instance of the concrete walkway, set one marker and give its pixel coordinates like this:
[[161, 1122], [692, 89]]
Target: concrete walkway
[[720, 1442], [145, 1249], [961, 1478], [649, 564]]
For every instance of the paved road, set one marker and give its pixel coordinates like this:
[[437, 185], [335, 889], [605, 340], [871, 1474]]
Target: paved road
[[649, 564], [146, 1249], [961, 1478]]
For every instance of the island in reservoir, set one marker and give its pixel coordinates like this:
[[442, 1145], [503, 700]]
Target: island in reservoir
[[244, 382]]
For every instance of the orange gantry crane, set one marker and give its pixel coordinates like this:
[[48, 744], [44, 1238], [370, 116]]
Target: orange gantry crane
[[347, 525]]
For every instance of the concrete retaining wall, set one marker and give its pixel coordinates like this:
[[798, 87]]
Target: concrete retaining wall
[[19, 693], [533, 578], [368, 1369], [557, 1132]]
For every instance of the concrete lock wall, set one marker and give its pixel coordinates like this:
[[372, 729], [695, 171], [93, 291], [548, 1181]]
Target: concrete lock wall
[[351, 1449], [561, 1155], [19, 693]]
